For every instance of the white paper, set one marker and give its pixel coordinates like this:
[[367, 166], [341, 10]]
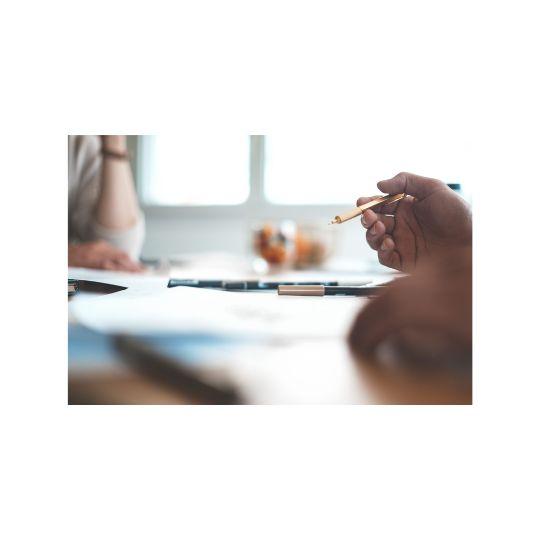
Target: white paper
[[189, 309]]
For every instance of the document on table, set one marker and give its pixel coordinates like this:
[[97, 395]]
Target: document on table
[[192, 310]]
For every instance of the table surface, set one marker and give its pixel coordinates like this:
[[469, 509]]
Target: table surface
[[288, 371]]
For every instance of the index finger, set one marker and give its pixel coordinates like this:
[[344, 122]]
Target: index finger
[[419, 187]]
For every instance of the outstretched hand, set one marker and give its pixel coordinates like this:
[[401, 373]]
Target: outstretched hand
[[102, 255]]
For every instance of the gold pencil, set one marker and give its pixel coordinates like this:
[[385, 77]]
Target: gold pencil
[[385, 199]]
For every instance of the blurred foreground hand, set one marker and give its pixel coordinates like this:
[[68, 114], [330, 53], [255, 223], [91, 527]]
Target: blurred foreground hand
[[430, 220], [425, 316], [102, 255]]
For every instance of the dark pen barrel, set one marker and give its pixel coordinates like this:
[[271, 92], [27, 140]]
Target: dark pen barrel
[[352, 291]]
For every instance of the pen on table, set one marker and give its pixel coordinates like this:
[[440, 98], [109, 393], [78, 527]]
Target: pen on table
[[323, 290], [256, 285], [386, 199], [203, 283]]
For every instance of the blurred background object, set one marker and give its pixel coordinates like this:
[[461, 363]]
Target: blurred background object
[[315, 243], [286, 245], [276, 243]]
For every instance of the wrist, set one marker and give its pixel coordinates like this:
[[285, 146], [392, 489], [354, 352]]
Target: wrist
[[115, 144], [114, 147]]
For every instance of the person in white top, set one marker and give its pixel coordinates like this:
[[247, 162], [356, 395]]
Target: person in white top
[[105, 222]]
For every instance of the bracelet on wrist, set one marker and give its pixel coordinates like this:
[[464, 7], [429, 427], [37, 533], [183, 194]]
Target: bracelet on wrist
[[124, 156]]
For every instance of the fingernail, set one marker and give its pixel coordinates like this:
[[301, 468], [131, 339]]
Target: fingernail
[[385, 245], [373, 230], [363, 220]]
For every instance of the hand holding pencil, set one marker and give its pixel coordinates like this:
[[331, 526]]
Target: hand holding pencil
[[427, 218]]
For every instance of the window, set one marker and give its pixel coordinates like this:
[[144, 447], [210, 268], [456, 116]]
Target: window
[[274, 171], [336, 169], [190, 170]]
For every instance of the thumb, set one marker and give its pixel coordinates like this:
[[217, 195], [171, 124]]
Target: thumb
[[411, 184]]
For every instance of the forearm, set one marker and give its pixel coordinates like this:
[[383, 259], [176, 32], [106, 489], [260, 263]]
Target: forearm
[[117, 206]]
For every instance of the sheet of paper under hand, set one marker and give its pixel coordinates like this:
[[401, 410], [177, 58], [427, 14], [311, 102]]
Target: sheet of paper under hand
[[189, 310]]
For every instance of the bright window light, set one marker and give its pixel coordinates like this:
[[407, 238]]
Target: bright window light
[[195, 169], [331, 168]]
